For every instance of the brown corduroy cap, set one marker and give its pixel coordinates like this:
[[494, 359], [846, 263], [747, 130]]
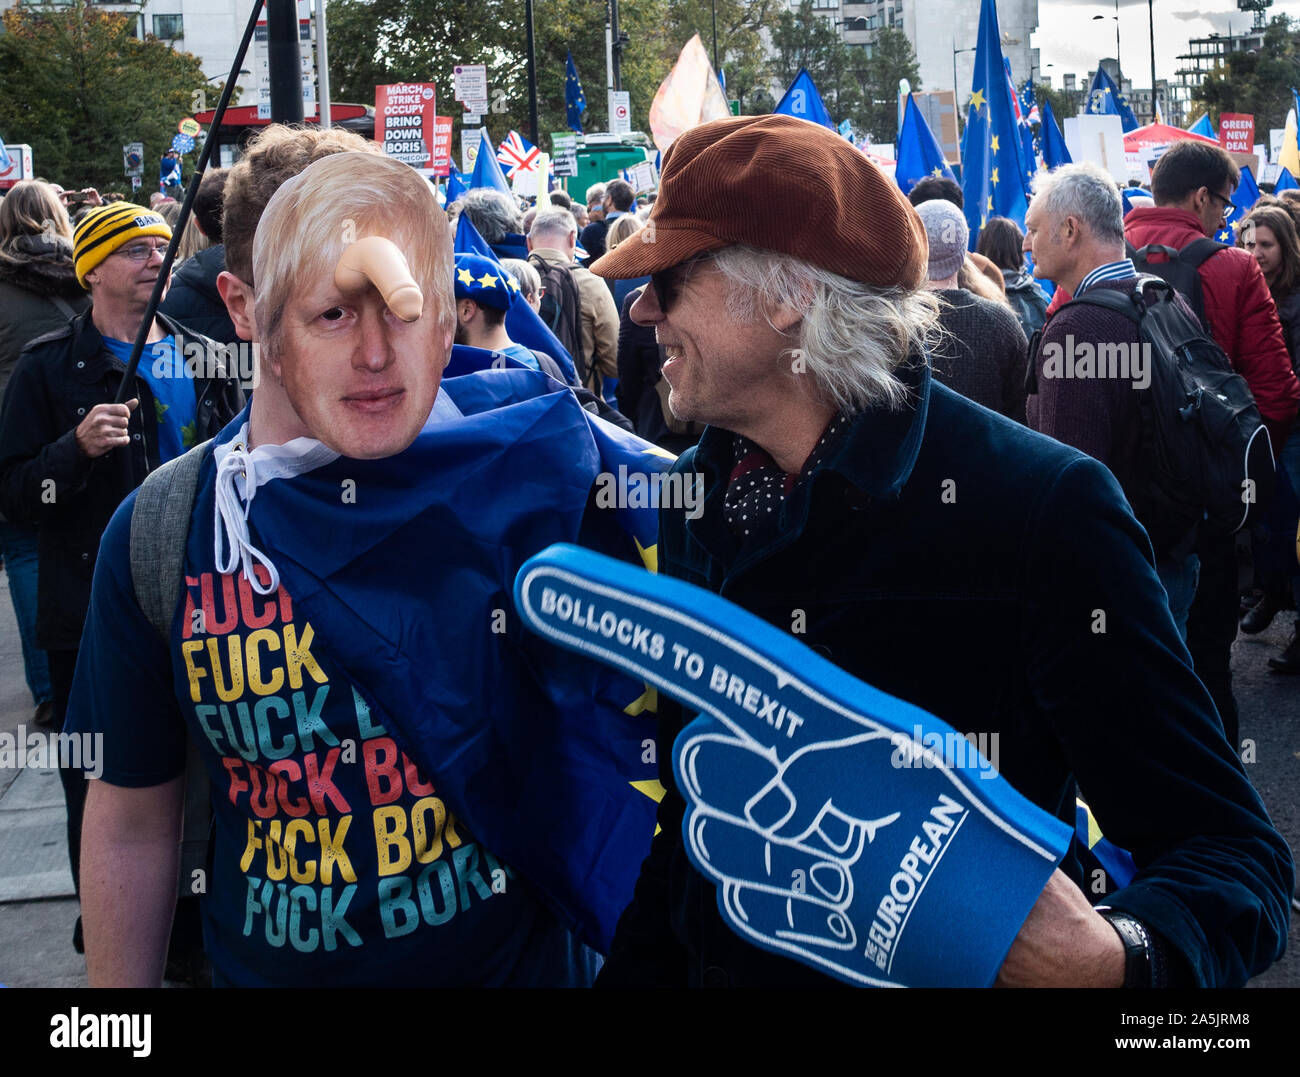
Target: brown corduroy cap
[[779, 184]]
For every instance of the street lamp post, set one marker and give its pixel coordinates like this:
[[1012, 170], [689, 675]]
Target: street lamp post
[[532, 72], [1095, 18], [956, 91], [714, 5], [1151, 25]]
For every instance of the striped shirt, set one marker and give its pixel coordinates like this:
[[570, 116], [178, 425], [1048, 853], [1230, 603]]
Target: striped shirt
[[1121, 270]]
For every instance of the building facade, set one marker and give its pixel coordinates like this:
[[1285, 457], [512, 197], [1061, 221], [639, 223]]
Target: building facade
[[943, 33]]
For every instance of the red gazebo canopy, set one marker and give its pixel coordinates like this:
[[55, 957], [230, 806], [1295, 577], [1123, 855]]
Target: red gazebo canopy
[[1158, 134]]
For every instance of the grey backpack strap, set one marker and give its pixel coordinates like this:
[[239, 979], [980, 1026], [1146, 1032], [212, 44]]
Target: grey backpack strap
[[160, 526]]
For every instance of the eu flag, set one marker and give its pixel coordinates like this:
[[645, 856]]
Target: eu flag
[[1055, 152], [487, 173], [1284, 182], [994, 181], [1203, 126], [919, 153], [803, 102], [575, 101], [523, 324], [1243, 201], [1104, 99], [543, 754]]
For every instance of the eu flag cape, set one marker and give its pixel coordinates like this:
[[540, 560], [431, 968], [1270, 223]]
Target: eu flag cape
[[411, 594]]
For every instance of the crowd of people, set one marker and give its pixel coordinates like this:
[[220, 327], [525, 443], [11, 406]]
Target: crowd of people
[[830, 381]]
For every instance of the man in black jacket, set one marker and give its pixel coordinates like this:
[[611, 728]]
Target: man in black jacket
[[69, 455], [852, 500]]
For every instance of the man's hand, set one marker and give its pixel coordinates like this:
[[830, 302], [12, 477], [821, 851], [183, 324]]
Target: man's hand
[[105, 428], [1064, 943]]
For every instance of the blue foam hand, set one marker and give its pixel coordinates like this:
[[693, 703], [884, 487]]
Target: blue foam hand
[[843, 827]]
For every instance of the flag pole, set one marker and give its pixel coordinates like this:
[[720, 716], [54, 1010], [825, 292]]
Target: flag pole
[[532, 74], [124, 392]]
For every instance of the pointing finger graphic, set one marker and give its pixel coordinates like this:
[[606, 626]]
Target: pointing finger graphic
[[833, 830]]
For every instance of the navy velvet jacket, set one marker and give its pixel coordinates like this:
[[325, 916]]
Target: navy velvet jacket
[[999, 579]]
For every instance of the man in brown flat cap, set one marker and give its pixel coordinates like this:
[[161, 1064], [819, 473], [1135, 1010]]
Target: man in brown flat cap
[[865, 508]]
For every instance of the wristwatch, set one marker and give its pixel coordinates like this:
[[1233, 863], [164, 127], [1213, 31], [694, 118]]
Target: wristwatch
[[1140, 952]]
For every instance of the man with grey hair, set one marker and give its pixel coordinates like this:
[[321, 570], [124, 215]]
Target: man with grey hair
[[495, 215], [1091, 366], [577, 306], [855, 502]]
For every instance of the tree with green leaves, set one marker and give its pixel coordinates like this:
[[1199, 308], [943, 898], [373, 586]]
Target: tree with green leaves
[[78, 85], [374, 42], [802, 39], [1065, 103], [740, 52], [892, 58], [1256, 82]]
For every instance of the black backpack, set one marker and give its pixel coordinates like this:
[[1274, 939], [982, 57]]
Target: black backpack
[[561, 310], [1206, 453], [1182, 269]]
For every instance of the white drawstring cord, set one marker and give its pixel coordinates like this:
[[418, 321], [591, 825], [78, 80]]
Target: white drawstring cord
[[230, 521]]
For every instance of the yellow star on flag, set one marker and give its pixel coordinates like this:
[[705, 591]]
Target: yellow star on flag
[[993, 143], [466, 277], [977, 100], [993, 177], [937, 173], [652, 789], [990, 203], [512, 283], [488, 280]]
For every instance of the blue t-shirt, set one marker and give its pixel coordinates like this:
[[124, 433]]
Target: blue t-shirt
[[523, 355], [172, 385], [335, 862]]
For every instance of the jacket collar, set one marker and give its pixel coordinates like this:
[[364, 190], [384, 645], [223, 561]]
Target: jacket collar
[[878, 452], [88, 347]]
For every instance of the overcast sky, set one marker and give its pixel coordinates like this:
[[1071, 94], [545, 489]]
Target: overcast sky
[[1069, 38]]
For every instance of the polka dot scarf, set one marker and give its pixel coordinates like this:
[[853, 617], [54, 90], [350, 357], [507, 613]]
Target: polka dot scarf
[[757, 488]]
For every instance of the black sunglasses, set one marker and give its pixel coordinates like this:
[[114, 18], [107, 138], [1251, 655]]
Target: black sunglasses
[[667, 283]]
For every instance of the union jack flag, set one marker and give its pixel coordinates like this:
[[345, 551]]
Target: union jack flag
[[517, 154]]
